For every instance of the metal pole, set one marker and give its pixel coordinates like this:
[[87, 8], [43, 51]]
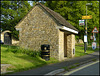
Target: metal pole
[[85, 43]]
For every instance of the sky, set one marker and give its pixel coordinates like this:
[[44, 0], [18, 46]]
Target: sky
[[31, 3]]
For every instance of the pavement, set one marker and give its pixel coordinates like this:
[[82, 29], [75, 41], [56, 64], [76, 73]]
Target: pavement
[[4, 68], [54, 69]]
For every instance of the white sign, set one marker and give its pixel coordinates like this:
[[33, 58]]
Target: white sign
[[85, 38], [81, 22], [94, 38], [91, 37], [95, 30], [93, 45]]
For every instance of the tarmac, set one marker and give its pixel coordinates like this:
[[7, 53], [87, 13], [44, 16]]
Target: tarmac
[[57, 68]]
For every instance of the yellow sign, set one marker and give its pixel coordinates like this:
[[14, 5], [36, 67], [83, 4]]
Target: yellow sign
[[87, 17]]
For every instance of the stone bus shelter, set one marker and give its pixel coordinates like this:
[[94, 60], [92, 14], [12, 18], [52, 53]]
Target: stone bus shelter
[[41, 26]]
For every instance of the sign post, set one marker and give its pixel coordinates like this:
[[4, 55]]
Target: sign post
[[87, 17], [85, 41], [93, 45], [81, 22], [94, 31]]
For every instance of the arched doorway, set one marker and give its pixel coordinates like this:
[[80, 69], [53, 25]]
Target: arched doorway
[[7, 38]]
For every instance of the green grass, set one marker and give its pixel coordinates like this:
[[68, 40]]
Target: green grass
[[21, 61], [79, 51], [79, 44]]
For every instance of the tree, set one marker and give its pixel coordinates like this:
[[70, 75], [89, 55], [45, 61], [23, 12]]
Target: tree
[[73, 11], [11, 13]]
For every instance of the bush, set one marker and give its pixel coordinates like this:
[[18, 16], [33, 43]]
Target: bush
[[31, 53], [24, 51]]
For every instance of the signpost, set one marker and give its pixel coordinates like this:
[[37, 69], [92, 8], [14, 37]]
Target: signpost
[[87, 17], [85, 38], [94, 31], [85, 41], [81, 22], [93, 45], [91, 37]]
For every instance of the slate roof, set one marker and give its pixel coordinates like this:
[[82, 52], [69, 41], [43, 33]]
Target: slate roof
[[58, 17], [55, 15]]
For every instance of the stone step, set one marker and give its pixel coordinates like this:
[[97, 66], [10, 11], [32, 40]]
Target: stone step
[[4, 68]]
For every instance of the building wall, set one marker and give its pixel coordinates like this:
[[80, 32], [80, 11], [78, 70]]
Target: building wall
[[2, 37], [70, 45], [2, 34], [15, 42], [66, 45], [61, 45], [39, 28]]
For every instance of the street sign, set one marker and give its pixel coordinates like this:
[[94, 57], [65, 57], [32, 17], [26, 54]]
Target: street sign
[[91, 37], [94, 38], [87, 17], [95, 30], [93, 45], [81, 22], [85, 38]]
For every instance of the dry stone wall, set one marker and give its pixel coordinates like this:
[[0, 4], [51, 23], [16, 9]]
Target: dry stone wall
[[39, 28]]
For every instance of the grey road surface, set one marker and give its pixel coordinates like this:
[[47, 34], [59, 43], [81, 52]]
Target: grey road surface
[[90, 69], [48, 68]]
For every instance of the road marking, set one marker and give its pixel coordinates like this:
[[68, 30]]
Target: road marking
[[80, 68]]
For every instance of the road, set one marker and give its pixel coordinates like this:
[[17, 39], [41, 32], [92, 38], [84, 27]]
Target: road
[[49, 68], [87, 69]]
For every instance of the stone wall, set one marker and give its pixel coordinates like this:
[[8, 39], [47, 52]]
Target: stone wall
[[2, 37], [73, 45], [66, 45], [14, 41], [70, 45], [39, 28], [2, 34], [79, 41], [61, 45]]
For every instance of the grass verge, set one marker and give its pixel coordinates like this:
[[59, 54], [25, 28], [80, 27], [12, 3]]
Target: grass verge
[[21, 61], [24, 61], [79, 51]]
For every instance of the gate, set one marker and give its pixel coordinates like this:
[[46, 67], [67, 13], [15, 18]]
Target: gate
[[7, 38]]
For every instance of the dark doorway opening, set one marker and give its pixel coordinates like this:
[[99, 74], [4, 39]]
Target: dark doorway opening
[[7, 38], [65, 45]]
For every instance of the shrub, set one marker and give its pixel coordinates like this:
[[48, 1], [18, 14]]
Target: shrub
[[29, 52]]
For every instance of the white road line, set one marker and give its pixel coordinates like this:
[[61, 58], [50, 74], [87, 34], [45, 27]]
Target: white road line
[[80, 68]]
